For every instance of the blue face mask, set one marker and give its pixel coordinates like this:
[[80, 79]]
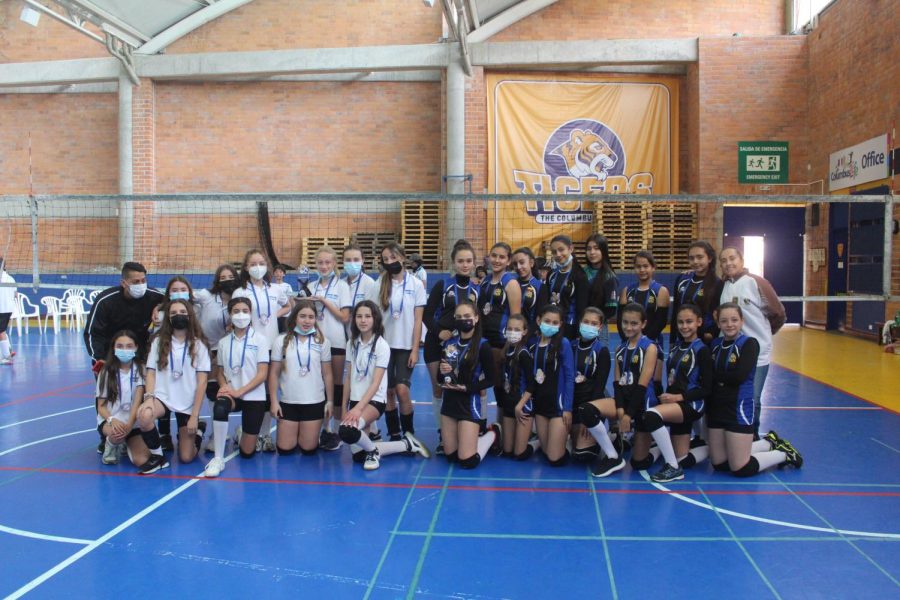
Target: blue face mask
[[298, 330], [352, 268], [588, 332], [179, 296], [125, 355], [549, 330]]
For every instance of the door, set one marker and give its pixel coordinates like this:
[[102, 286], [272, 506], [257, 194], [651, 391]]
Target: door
[[838, 224]]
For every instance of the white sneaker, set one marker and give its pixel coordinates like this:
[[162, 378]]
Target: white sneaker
[[6, 361], [372, 461], [110, 453], [215, 466], [267, 444], [416, 446]]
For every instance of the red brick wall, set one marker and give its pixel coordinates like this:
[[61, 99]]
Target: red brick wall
[[617, 19], [50, 40]]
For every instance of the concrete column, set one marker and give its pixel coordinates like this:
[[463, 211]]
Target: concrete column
[[456, 152], [126, 182]]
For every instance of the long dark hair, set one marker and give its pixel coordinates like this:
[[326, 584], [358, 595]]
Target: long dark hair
[[709, 280], [194, 334], [468, 360], [603, 245], [384, 293], [530, 254], [556, 340], [377, 322], [514, 371], [216, 287], [109, 376], [568, 242]]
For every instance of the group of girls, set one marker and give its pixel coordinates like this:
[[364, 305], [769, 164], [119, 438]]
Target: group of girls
[[349, 344]]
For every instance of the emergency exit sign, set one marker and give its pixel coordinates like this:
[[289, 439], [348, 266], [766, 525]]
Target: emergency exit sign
[[762, 162]]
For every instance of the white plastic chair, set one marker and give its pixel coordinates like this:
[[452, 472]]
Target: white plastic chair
[[93, 296], [54, 311], [26, 310], [73, 310]]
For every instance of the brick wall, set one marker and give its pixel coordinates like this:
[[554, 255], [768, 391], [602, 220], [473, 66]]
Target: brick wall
[[50, 40]]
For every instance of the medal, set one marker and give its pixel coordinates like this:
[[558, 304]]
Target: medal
[[486, 309], [539, 376], [507, 386], [447, 379], [360, 376], [395, 315], [554, 298], [579, 378], [235, 370], [304, 371], [264, 319], [176, 375]]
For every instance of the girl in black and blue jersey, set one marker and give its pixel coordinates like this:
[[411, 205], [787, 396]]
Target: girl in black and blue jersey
[[654, 298], [523, 263], [602, 279], [701, 287], [592, 364], [517, 363], [566, 287]]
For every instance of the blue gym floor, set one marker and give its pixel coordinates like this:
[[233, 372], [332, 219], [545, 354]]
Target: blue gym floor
[[322, 527]]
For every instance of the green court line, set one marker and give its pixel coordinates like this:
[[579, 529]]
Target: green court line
[[824, 520], [740, 545], [390, 541], [55, 461], [609, 569], [675, 484], [417, 574], [634, 538]]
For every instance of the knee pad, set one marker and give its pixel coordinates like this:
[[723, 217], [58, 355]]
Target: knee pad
[[452, 457], [681, 428], [349, 435], [562, 460], [653, 420], [470, 463], [359, 457], [585, 455], [748, 470], [286, 452], [589, 415], [527, 453], [722, 467], [221, 408], [306, 452], [688, 461], [643, 464], [250, 454]]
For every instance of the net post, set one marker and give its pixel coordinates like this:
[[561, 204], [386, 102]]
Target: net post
[[126, 169], [35, 264], [887, 261], [456, 153]]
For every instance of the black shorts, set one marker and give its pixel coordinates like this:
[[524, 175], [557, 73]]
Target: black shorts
[[4, 321], [339, 352], [181, 419], [546, 407], [688, 416], [252, 413], [732, 427], [576, 417], [303, 412], [462, 407], [731, 415], [506, 402], [130, 434], [433, 348], [212, 390], [398, 371], [379, 406]]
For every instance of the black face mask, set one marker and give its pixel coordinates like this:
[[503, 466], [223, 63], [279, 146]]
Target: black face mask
[[229, 286], [462, 280], [393, 268], [464, 325], [179, 322]]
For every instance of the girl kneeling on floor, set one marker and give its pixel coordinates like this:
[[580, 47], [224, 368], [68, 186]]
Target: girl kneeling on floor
[[120, 389]]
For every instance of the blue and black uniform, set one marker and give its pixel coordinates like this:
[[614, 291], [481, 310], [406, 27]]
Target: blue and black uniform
[[551, 379], [569, 291], [439, 309], [592, 364], [630, 395], [531, 287], [466, 405], [690, 373], [656, 317], [493, 305], [688, 289], [731, 404], [602, 291], [517, 363]]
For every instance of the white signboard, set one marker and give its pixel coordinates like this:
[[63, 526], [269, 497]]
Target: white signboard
[[858, 164]]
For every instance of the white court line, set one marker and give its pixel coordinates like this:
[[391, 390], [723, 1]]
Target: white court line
[[824, 407], [893, 536], [885, 445], [65, 412], [42, 536], [106, 537], [49, 439]]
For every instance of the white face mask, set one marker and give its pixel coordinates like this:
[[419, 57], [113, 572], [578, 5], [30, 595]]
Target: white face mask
[[514, 337], [240, 320], [137, 290], [258, 271]]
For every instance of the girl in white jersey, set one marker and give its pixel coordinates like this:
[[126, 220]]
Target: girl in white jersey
[[177, 370], [365, 389], [269, 303], [360, 285], [401, 298], [243, 365], [301, 370], [120, 388], [333, 302], [278, 281]]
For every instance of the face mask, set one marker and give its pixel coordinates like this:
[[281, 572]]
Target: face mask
[[240, 320], [464, 325], [565, 264], [588, 332], [179, 322], [125, 355], [393, 268], [300, 331], [514, 337], [180, 296], [229, 286], [258, 271], [549, 330], [137, 290], [353, 268]]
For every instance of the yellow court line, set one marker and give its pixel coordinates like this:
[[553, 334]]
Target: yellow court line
[[853, 365]]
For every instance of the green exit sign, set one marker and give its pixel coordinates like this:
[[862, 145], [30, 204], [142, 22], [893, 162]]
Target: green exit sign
[[762, 162]]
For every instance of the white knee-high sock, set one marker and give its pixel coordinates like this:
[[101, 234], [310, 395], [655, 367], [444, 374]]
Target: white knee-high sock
[[220, 436], [485, 442], [760, 446], [700, 453], [4, 348], [365, 443], [266, 427], [436, 403], [655, 453], [664, 443], [769, 459], [388, 448], [601, 434], [535, 444]]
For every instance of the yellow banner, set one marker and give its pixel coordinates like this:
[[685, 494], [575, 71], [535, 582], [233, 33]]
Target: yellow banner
[[580, 135]]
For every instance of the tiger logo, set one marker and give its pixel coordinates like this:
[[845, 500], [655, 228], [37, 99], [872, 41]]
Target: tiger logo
[[587, 154]]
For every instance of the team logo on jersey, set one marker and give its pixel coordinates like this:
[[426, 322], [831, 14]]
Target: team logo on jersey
[[651, 300], [582, 156], [686, 359], [635, 360], [732, 359], [529, 293], [498, 292]]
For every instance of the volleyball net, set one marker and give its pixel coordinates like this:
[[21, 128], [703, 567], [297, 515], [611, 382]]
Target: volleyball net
[[60, 242]]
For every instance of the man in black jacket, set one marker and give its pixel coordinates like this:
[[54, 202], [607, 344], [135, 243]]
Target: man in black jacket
[[128, 305]]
